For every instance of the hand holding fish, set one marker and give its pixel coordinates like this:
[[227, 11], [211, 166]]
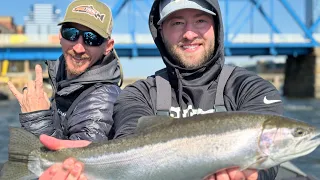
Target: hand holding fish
[[33, 97], [168, 150], [234, 174], [57, 144], [70, 168]]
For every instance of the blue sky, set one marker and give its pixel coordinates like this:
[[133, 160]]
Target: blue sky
[[282, 19]]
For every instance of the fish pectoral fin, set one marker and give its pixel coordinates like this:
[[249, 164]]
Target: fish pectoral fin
[[254, 164]]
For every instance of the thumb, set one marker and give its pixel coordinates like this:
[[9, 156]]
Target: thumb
[[57, 144], [15, 92]]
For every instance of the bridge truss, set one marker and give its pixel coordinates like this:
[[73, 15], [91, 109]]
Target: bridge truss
[[252, 28]]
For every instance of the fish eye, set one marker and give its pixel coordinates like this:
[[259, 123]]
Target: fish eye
[[299, 132]]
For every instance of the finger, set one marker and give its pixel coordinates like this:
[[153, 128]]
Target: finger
[[56, 144], [76, 171], [251, 174], [31, 97], [83, 177], [18, 95], [15, 92], [222, 175], [50, 172], [68, 164], [50, 142], [235, 174], [61, 174], [75, 143], [67, 167], [39, 80], [210, 177], [31, 89], [25, 99]]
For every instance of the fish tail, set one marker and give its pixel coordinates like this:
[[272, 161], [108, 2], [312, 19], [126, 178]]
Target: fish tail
[[21, 144]]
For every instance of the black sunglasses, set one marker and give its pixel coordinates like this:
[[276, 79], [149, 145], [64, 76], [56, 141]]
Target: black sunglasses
[[90, 38]]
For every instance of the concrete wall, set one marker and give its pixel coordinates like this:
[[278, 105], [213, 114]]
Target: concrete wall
[[302, 76]]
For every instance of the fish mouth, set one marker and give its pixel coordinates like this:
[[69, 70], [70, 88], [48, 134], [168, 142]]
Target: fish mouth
[[316, 137], [312, 142], [296, 154]]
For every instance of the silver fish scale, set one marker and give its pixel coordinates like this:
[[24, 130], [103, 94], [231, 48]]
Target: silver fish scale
[[184, 158], [191, 148], [186, 149]]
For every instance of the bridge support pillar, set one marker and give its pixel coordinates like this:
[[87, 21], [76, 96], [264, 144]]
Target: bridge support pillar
[[302, 76]]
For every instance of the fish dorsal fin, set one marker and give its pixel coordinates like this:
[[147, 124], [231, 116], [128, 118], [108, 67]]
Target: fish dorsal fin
[[146, 123]]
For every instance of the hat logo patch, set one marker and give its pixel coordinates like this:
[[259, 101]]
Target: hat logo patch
[[89, 9]]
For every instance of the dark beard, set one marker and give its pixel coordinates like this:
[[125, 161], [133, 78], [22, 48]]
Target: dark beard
[[72, 72], [178, 59]]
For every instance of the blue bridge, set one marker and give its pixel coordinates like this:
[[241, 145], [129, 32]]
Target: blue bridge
[[252, 27]]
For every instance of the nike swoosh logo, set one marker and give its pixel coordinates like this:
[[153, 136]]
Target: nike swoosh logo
[[266, 101]]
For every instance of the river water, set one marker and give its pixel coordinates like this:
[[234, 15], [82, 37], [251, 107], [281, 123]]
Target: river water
[[303, 109]]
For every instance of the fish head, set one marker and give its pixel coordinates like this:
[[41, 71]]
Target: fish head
[[283, 139]]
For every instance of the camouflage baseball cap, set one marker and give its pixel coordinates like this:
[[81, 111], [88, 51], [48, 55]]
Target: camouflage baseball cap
[[92, 14]]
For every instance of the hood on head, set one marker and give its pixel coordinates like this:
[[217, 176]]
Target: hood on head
[[218, 56]]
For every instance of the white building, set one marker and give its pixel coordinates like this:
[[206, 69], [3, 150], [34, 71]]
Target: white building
[[42, 20]]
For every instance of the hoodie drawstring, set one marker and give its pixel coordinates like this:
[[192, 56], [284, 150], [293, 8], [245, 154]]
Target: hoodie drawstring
[[180, 88]]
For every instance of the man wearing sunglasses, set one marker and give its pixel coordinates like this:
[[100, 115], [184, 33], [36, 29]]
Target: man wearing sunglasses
[[189, 35], [85, 79]]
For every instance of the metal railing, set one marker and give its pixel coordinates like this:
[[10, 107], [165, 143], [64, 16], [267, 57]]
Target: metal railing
[[21, 39]]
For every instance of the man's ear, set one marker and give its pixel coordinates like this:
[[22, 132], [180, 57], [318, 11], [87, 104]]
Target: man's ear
[[109, 46], [160, 30], [60, 37], [161, 33]]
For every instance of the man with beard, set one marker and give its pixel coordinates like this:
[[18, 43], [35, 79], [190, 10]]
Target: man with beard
[[84, 79], [189, 35]]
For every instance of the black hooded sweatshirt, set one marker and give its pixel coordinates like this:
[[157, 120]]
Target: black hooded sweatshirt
[[91, 118], [193, 90]]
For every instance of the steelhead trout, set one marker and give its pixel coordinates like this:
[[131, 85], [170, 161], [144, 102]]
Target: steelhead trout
[[164, 148]]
